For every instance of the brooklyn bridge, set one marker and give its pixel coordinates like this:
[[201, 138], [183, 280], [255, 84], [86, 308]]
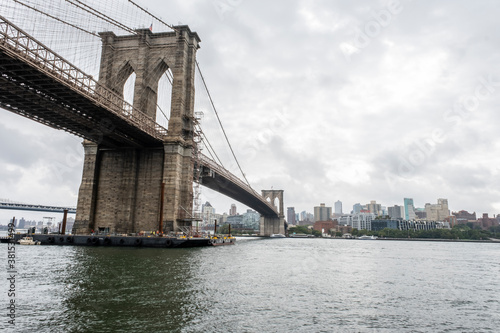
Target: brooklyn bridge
[[137, 174]]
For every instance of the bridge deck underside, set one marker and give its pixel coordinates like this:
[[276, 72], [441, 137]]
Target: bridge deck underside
[[33, 94], [225, 186]]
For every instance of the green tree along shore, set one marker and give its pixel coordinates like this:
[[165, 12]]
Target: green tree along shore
[[461, 231], [303, 229]]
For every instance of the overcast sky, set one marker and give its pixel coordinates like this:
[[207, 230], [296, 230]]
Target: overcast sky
[[327, 100]]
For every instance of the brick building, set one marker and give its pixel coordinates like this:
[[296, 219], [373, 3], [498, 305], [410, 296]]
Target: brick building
[[325, 226], [486, 222]]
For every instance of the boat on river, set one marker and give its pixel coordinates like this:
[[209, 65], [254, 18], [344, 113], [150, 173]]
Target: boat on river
[[365, 237], [28, 241], [277, 236]]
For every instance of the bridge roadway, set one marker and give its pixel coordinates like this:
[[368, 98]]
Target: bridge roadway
[[219, 179], [38, 84]]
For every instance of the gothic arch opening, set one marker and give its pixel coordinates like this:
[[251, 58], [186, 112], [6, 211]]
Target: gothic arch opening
[[123, 78], [164, 98], [128, 89]]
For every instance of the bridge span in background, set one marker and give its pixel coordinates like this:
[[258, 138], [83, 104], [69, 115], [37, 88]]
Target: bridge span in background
[[36, 208]]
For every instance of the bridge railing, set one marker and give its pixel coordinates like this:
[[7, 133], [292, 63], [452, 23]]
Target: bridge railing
[[205, 160], [17, 42]]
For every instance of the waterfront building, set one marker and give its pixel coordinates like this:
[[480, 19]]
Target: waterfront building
[[251, 220], [322, 213], [245, 222], [343, 229], [290, 215], [378, 225], [325, 226], [236, 222], [409, 209], [437, 212], [423, 225], [357, 221], [338, 207]]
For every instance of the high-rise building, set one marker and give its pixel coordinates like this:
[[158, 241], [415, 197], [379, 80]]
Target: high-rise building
[[306, 218], [232, 211], [357, 208], [207, 213], [396, 212], [374, 208], [338, 207], [409, 209], [437, 212], [303, 215], [322, 213], [290, 215]]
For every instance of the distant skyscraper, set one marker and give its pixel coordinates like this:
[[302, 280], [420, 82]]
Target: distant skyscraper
[[374, 208], [232, 211], [207, 213], [322, 213], [357, 208], [290, 215], [338, 207], [409, 209]]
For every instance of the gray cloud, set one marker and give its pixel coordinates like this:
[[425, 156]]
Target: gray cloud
[[349, 119]]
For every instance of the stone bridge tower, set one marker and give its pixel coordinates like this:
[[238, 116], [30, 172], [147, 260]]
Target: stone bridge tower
[[273, 225], [132, 189]]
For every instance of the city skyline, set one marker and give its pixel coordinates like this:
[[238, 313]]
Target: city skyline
[[357, 101]]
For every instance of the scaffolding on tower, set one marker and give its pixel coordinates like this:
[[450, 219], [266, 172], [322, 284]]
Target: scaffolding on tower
[[197, 148]]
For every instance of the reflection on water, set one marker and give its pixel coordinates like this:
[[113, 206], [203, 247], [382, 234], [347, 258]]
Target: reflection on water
[[261, 285]]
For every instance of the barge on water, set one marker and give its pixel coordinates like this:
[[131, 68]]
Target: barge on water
[[126, 241]]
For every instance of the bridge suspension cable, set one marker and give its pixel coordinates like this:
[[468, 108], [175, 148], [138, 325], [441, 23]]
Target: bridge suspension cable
[[220, 123], [153, 16], [102, 16], [57, 19]]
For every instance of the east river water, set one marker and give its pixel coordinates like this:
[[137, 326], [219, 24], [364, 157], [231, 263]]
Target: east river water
[[257, 285]]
